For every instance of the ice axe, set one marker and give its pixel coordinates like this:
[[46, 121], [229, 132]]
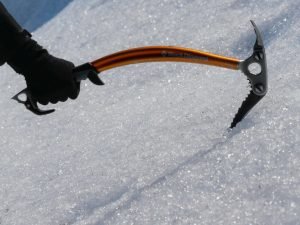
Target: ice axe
[[254, 67]]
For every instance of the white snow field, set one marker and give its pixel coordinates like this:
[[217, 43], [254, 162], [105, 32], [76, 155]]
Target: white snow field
[[152, 145]]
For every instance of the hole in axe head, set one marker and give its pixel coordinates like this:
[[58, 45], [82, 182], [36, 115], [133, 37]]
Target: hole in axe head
[[254, 68]]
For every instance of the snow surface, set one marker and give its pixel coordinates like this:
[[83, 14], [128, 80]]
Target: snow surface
[[152, 146]]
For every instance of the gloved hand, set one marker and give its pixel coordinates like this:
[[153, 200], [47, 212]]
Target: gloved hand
[[49, 79]]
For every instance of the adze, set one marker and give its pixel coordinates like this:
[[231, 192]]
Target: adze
[[254, 67]]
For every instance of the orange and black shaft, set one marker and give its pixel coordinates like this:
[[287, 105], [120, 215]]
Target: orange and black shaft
[[163, 54], [151, 54]]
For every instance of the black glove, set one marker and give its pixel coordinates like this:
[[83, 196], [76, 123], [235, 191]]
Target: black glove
[[49, 79]]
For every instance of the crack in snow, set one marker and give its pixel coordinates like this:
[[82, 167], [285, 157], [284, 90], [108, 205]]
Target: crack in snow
[[192, 160]]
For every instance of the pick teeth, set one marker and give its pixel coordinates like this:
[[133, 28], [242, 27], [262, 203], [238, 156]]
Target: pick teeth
[[250, 101]]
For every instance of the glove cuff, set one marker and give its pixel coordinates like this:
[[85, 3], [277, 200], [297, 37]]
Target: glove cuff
[[26, 57]]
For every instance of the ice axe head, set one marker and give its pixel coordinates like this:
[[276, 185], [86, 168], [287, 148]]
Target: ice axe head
[[255, 68]]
